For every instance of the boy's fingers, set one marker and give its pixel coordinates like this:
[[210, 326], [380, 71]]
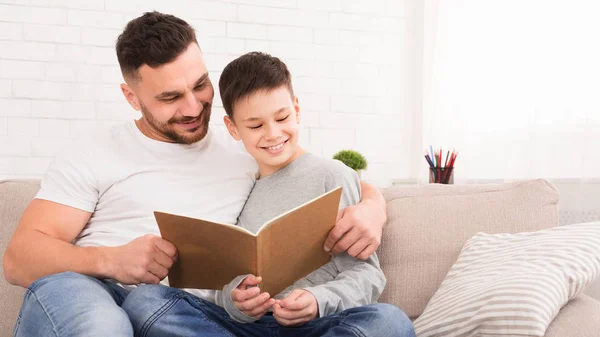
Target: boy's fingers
[[251, 304], [300, 303], [240, 295], [262, 309], [293, 322], [291, 298], [251, 280], [290, 317]]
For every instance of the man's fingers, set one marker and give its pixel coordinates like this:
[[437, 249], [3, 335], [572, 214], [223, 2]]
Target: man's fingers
[[163, 259], [149, 278], [358, 247], [367, 252], [157, 270], [340, 228], [340, 214], [166, 247], [351, 237]]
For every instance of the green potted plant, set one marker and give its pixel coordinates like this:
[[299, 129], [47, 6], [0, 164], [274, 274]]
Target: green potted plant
[[352, 159]]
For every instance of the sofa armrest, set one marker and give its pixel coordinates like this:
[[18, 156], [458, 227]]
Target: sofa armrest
[[579, 318]]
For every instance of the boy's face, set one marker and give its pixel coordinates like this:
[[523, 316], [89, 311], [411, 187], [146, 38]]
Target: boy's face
[[175, 98], [267, 124]]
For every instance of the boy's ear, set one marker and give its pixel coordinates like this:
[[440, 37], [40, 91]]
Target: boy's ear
[[297, 109], [231, 128], [130, 96]]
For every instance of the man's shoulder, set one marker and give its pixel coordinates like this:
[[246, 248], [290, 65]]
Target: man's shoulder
[[221, 139], [228, 150]]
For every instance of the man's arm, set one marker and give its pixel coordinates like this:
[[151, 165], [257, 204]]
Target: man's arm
[[41, 245], [359, 227]]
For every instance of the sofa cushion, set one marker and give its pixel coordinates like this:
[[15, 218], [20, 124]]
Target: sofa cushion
[[14, 197], [579, 318], [513, 284], [428, 225]]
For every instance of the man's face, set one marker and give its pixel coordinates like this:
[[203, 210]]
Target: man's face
[[267, 124], [175, 98]]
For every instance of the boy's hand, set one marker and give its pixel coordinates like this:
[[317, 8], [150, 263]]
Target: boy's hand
[[299, 307], [247, 298]]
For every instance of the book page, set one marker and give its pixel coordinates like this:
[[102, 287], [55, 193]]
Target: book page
[[210, 254], [291, 246], [275, 219]]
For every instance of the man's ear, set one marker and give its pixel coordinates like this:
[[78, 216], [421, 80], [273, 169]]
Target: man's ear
[[130, 96], [297, 109], [231, 128]]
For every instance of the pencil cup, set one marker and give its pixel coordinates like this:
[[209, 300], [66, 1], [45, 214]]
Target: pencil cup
[[438, 175]]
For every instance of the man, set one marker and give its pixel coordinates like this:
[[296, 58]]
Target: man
[[91, 229]]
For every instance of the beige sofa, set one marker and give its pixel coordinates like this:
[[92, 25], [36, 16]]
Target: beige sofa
[[427, 226]]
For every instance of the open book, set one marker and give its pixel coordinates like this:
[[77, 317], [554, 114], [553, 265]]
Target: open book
[[284, 249]]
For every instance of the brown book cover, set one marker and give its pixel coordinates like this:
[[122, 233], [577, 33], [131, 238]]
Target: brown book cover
[[285, 249]]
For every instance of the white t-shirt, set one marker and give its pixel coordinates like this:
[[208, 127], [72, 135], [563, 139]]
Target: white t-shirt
[[122, 176]]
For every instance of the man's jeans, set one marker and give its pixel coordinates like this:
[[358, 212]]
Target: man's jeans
[[156, 310], [70, 304]]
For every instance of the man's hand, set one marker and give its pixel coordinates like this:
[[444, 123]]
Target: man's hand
[[299, 307], [248, 299], [358, 228], [146, 259]]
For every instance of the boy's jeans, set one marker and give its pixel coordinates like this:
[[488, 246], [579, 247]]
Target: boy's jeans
[[70, 304], [156, 310]]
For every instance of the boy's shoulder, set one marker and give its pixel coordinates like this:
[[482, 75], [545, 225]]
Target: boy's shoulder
[[327, 164]]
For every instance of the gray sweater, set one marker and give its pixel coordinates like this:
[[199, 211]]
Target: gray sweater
[[345, 282]]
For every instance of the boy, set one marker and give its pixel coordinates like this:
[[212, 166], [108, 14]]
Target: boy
[[340, 297]]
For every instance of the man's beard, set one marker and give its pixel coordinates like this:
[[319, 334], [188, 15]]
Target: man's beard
[[181, 137]]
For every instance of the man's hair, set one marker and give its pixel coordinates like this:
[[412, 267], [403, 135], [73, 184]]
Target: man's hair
[[249, 73], [153, 39]]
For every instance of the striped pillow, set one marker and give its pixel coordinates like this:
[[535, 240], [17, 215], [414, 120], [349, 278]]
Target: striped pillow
[[512, 284]]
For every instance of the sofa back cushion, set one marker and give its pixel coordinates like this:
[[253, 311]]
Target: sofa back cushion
[[428, 225], [14, 198]]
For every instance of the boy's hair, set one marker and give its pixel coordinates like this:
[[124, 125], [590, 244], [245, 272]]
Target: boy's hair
[[249, 73], [153, 39]]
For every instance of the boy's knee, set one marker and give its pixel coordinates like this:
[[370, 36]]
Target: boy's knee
[[153, 292], [146, 300], [392, 316]]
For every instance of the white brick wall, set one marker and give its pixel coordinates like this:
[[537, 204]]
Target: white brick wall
[[59, 75]]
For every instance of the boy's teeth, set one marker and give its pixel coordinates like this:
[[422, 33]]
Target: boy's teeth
[[276, 147]]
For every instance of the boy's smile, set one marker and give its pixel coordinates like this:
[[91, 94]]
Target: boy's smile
[[276, 149]]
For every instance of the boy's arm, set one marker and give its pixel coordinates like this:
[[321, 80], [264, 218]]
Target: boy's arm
[[358, 283], [359, 227]]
